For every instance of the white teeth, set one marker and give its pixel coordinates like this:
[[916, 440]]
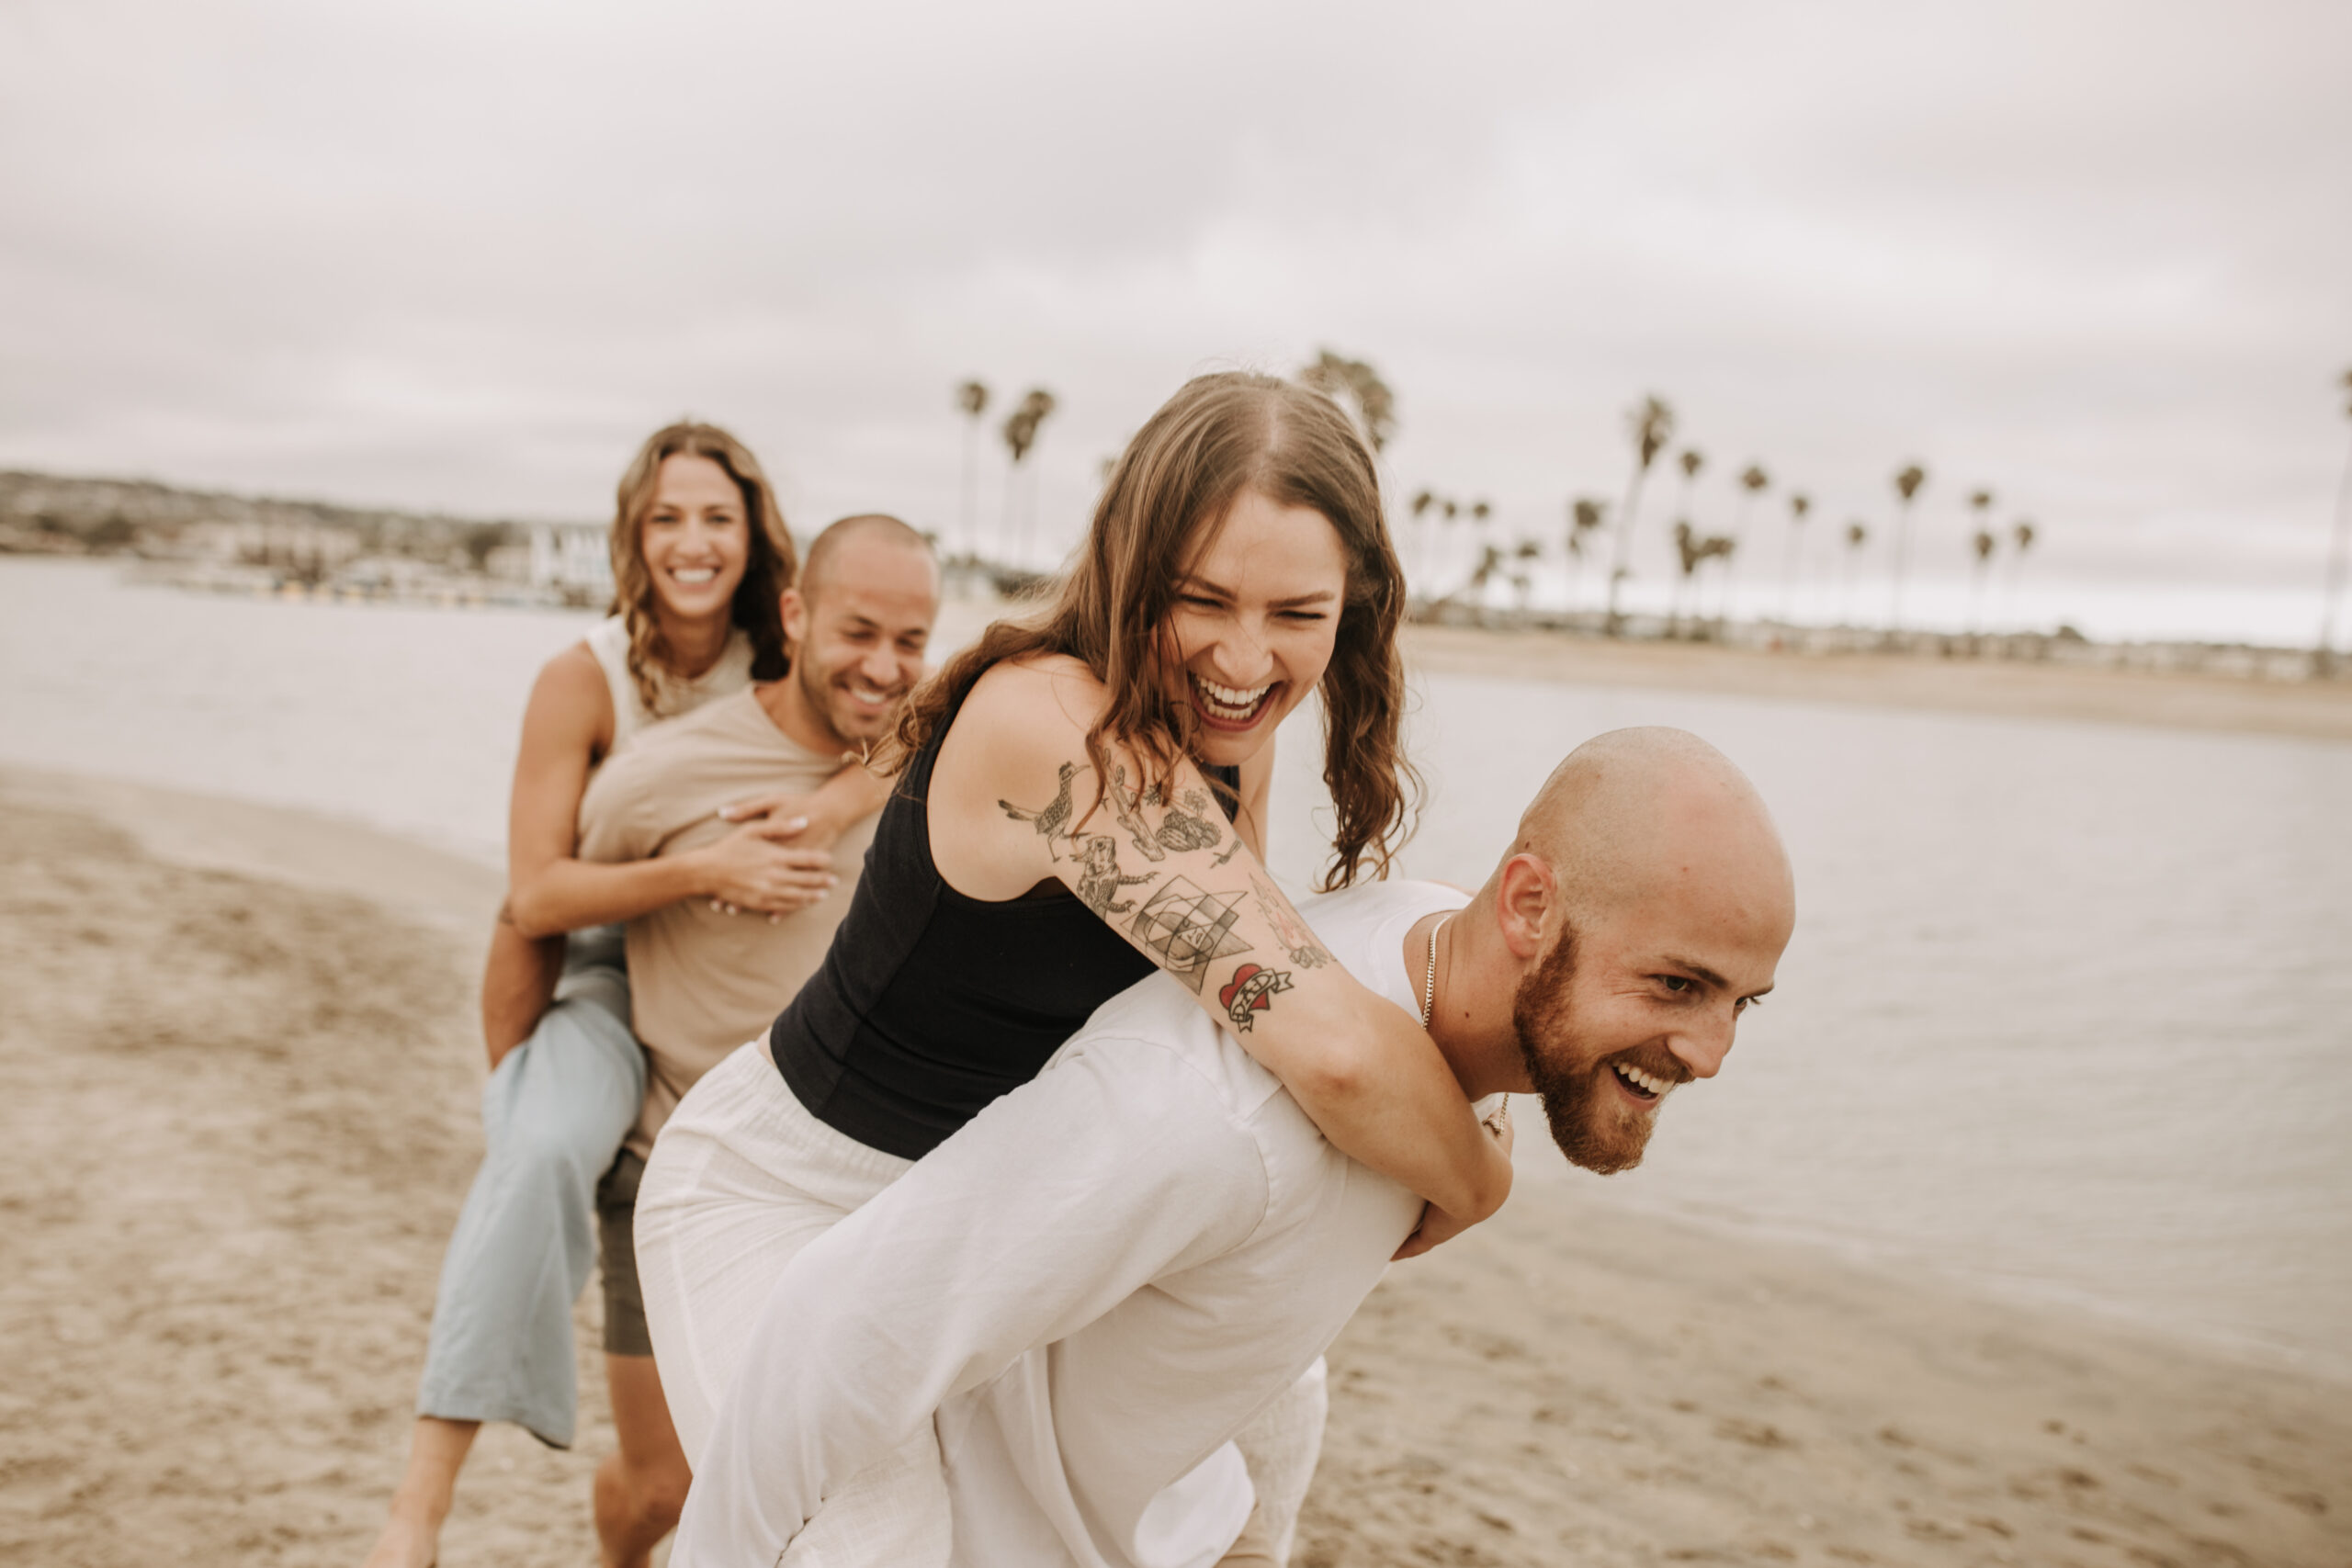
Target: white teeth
[[695, 576], [1231, 702], [1641, 1080]]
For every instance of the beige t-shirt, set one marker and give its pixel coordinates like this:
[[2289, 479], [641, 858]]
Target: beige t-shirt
[[702, 983]]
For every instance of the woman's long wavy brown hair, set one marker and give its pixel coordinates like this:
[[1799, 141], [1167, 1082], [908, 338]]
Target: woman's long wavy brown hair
[[1218, 436], [771, 567]]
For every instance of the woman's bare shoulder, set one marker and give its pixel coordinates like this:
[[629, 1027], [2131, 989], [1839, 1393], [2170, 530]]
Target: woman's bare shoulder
[[1046, 697], [570, 694]]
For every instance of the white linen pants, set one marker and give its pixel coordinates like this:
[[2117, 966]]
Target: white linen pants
[[741, 1179]]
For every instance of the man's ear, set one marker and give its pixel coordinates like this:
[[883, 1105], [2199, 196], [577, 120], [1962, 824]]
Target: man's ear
[[1525, 895], [793, 612]]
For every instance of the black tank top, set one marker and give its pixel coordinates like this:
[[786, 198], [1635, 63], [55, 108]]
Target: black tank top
[[931, 1004]]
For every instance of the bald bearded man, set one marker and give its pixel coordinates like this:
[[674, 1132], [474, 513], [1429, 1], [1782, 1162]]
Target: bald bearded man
[[1093, 1288]]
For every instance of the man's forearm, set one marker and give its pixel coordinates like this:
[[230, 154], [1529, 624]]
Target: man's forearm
[[517, 982]]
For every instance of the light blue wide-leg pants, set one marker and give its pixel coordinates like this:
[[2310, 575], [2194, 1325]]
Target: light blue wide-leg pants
[[553, 1115]]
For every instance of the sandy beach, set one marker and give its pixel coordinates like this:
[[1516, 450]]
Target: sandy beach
[[2313, 709], [239, 1069]]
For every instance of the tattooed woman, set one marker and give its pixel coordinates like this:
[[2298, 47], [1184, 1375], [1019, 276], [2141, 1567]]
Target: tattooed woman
[[1081, 797]]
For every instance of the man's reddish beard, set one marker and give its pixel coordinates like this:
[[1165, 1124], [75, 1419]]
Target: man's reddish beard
[[1592, 1128]]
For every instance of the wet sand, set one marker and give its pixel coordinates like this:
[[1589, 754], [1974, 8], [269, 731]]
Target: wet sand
[[240, 1117], [237, 1075]]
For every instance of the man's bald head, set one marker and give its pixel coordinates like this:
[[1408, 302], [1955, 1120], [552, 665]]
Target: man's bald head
[[1635, 815], [1644, 907], [877, 526], [858, 623]]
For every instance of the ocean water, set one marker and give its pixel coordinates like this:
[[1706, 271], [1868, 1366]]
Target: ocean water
[[2068, 1010], [2068, 1013]]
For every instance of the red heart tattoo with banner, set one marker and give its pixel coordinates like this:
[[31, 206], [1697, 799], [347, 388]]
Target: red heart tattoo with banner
[[1247, 992]]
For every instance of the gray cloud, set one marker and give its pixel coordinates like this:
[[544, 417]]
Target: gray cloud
[[2090, 255]]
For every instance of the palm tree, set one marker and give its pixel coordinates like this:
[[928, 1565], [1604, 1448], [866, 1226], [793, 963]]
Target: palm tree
[[1687, 555], [1474, 588], [972, 397], [1985, 543], [1691, 552], [1020, 437], [1480, 513], [1981, 503], [1353, 381], [1585, 516], [1799, 505], [1653, 426], [1422, 501], [2023, 533], [1689, 461], [1491, 560], [1522, 577], [1857, 533], [1753, 482], [1906, 485], [2335, 557]]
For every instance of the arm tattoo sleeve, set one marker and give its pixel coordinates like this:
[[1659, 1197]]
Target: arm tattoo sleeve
[[1289, 929], [1125, 805], [1185, 930], [1099, 878], [1251, 992], [1051, 820], [1192, 824]]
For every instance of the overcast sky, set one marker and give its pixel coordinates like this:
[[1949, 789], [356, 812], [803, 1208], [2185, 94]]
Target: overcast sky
[[2095, 257]]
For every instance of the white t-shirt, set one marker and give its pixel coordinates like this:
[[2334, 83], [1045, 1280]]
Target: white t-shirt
[[1093, 1285]]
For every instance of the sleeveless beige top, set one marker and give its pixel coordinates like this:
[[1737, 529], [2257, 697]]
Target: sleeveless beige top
[[609, 643]]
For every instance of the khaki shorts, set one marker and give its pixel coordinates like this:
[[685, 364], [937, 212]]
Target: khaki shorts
[[625, 1330]]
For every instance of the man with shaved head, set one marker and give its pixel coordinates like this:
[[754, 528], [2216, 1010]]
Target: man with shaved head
[[1054, 1330], [701, 978]]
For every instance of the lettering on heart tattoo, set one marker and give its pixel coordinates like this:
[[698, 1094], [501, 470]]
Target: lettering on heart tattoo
[[1250, 992]]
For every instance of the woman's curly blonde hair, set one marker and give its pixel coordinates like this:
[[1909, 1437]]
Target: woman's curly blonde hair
[[772, 566]]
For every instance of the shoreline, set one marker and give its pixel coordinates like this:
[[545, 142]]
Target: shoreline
[[2310, 710], [242, 1075], [275, 843], [2316, 710]]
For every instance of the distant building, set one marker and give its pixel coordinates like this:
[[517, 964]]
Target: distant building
[[574, 559], [509, 563], [295, 547]]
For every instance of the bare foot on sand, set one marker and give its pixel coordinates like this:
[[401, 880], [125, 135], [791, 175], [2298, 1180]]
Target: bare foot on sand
[[411, 1537], [406, 1543]]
